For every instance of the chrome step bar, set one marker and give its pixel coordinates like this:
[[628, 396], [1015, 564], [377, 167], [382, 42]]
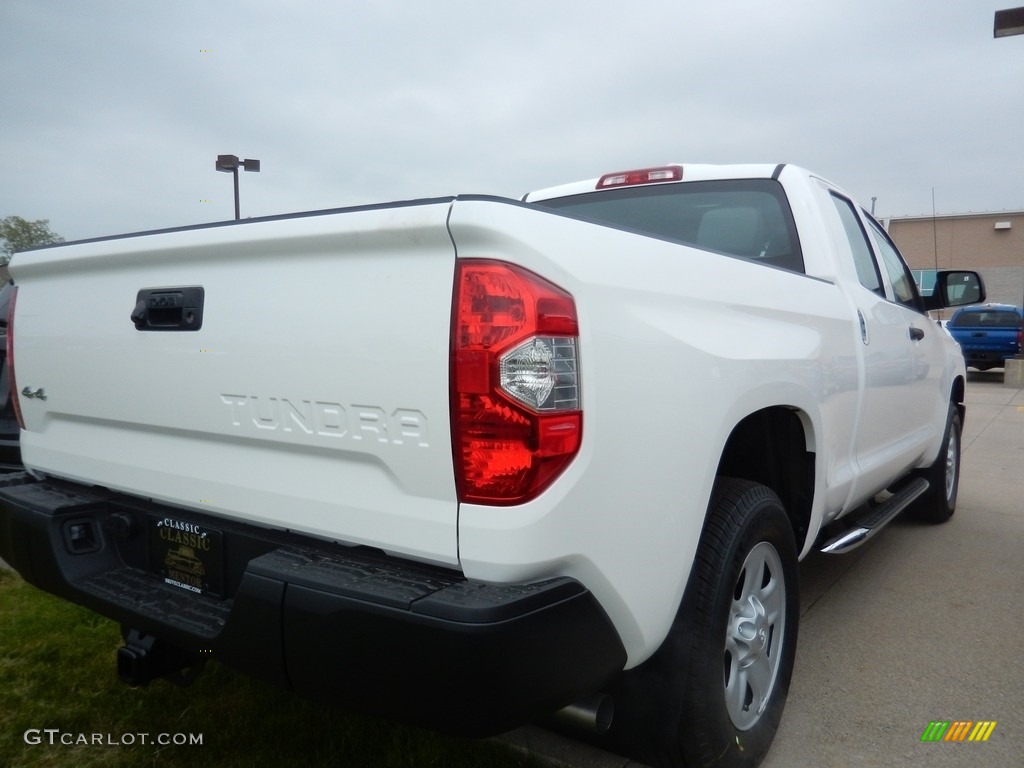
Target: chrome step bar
[[863, 528]]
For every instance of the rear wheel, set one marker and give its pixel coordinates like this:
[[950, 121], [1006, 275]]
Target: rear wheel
[[938, 503], [723, 674]]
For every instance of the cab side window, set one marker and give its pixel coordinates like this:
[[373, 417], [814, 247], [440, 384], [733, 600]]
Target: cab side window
[[867, 269]]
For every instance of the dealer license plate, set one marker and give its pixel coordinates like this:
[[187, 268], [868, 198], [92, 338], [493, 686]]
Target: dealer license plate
[[187, 555]]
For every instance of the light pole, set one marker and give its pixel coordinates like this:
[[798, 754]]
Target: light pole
[[229, 164], [1007, 23]]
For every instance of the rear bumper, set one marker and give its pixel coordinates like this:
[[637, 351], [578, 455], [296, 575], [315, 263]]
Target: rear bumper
[[364, 630], [988, 356]]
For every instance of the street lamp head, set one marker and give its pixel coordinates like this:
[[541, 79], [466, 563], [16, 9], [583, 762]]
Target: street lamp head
[[230, 164], [1009, 22], [227, 163]]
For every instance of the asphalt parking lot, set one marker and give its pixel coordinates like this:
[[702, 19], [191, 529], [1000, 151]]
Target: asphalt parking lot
[[923, 623]]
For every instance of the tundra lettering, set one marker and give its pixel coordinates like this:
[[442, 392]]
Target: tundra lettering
[[328, 419]]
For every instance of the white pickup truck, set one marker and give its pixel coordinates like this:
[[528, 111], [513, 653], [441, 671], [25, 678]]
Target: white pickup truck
[[468, 461]]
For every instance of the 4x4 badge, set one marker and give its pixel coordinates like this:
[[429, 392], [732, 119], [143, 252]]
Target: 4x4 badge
[[38, 394]]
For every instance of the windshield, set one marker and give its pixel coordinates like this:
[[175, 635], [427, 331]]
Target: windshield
[[746, 218]]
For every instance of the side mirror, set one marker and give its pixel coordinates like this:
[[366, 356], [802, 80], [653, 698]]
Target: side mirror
[[956, 289]]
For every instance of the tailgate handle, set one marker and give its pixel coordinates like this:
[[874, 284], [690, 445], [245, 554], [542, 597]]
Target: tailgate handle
[[169, 309]]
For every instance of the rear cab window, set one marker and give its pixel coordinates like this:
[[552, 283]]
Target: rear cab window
[[986, 318], [748, 219]]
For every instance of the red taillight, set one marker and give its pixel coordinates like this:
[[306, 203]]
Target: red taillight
[[516, 417], [641, 176], [15, 402]]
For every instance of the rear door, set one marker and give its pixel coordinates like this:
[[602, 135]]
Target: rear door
[[903, 356]]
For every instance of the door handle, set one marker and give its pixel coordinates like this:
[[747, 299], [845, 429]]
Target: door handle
[[916, 334]]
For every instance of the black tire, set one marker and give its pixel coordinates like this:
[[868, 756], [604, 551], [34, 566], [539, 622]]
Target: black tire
[[938, 503], [691, 704]]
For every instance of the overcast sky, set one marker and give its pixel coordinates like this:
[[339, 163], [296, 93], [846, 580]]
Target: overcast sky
[[112, 113]]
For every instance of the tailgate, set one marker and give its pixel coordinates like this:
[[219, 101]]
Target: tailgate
[[314, 396], [988, 339]]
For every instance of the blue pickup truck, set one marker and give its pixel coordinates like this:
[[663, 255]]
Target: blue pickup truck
[[988, 334]]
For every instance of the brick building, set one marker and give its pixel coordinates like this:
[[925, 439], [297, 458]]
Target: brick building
[[991, 243]]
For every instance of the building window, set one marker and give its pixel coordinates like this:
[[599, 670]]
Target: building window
[[925, 279]]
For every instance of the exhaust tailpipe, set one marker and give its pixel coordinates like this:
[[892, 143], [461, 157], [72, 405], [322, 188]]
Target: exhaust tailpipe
[[592, 715]]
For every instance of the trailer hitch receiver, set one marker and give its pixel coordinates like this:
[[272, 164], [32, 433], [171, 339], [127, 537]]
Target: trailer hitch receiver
[[143, 658]]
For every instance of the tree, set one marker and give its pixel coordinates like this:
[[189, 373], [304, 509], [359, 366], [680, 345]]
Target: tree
[[17, 234]]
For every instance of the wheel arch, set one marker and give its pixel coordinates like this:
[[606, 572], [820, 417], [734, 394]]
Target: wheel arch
[[956, 397], [775, 447]]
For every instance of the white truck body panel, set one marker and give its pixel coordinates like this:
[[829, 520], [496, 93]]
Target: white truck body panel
[[471, 461], [314, 398], [662, 361]]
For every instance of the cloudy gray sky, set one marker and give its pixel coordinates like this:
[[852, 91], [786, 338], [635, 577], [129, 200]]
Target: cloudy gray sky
[[113, 112]]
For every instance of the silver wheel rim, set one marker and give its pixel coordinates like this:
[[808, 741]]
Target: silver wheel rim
[[951, 458], [754, 635]]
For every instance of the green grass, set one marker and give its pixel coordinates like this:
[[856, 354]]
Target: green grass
[[57, 670]]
